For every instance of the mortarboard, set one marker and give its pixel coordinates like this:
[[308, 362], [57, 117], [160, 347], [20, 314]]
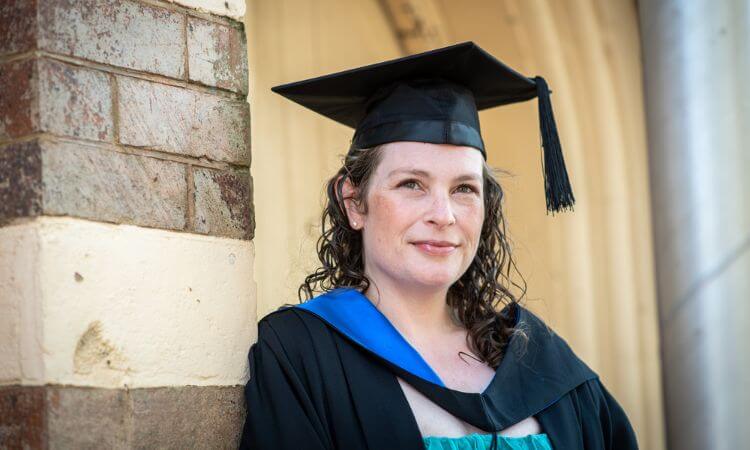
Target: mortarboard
[[434, 97]]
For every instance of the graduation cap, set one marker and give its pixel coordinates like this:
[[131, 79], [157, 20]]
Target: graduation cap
[[434, 97]]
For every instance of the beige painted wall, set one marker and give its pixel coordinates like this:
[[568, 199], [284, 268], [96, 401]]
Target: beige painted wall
[[294, 151], [589, 273], [94, 304]]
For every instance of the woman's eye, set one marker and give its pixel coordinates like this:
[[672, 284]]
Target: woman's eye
[[469, 189], [464, 188], [409, 183]]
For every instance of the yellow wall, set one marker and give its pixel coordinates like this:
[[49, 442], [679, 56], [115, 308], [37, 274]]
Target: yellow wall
[[293, 150], [590, 272]]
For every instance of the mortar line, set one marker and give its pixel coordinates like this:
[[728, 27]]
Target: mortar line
[[185, 55], [115, 108], [12, 57], [47, 215], [208, 16], [133, 73], [129, 150], [190, 213]]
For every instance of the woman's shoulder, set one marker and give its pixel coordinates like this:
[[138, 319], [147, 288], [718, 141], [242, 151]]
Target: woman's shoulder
[[291, 329], [535, 340], [535, 328], [546, 362]]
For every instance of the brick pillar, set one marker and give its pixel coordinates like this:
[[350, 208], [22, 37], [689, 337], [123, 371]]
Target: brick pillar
[[127, 300]]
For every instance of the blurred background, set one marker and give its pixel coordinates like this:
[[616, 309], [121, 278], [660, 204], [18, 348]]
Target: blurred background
[[595, 274], [590, 273]]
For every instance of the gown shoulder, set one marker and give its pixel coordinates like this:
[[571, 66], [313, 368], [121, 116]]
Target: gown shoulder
[[293, 332]]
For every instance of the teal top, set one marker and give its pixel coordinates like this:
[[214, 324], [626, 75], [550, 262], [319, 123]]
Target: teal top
[[482, 442]]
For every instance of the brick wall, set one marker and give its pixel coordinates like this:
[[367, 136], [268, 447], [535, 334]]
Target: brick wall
[[124, 113]]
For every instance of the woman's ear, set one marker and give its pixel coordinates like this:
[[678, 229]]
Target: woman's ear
[[356, 218]]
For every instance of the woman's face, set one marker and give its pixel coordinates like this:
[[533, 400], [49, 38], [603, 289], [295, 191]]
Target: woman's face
[[425, 214]]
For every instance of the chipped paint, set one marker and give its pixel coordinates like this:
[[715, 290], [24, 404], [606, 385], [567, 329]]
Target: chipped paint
[[94, 353]]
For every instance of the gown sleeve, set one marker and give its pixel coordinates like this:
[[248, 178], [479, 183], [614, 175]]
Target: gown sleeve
[[616, 428], [280, 414]]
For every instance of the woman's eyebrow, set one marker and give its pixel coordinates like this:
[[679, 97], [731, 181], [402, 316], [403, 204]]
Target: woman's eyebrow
[[422, 173]]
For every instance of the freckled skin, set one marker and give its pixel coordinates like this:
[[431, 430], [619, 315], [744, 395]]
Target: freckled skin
[[434, 207]]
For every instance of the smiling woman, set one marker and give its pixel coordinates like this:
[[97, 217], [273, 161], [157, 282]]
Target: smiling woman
[[431, 224], [416, 339], [421, 230]]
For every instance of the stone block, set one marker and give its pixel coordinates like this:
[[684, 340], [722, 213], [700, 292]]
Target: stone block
[[82, 180], [183, 121], [198, 417], [86, 181], [223, 203], [217, 55], [17, 26], [87, 418], [50, 96], [121, 33], [74, 101], [19, 114], [22, 417], [20, 180], [123, 305], [70, 417]]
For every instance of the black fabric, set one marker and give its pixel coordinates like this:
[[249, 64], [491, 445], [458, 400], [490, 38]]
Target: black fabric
[[311, 387], [423, 110], [347, 96], [434, 97]]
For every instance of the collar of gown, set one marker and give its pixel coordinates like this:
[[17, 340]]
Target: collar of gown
[[534, 373]]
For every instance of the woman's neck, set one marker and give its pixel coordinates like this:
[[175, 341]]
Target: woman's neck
[[418, 313]]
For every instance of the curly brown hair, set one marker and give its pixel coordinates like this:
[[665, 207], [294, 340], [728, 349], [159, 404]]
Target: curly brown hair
[[473, 298]]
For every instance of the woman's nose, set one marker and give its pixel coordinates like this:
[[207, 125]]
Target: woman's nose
[[441, 211]]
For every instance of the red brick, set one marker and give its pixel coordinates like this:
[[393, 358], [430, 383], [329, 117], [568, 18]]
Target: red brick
[[17, 26], [118, 32], [101, 184], [83, 180], [18, 101], [74, 101], [38, 417], [223, 203], [178, 120], [217, 55], [87, 418], [23, 422], [198, 417], [20, 180], [63, 99]]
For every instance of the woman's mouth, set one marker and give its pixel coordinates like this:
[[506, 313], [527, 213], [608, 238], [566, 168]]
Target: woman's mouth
[[436, 248]]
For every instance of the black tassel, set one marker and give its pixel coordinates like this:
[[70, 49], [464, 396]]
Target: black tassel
[[556, 184]]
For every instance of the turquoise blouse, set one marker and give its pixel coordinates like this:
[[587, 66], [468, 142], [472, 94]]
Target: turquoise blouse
[[482, 442]]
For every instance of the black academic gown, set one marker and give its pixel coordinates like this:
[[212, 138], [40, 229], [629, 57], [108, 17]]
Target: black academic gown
[[314, 384]]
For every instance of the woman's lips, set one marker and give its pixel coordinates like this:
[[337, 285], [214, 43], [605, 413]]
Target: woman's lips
[[435, 248]]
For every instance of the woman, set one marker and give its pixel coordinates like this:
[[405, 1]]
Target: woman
[[405, 348]]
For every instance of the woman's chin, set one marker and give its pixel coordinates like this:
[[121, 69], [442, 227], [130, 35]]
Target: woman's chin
[[435, 278]]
